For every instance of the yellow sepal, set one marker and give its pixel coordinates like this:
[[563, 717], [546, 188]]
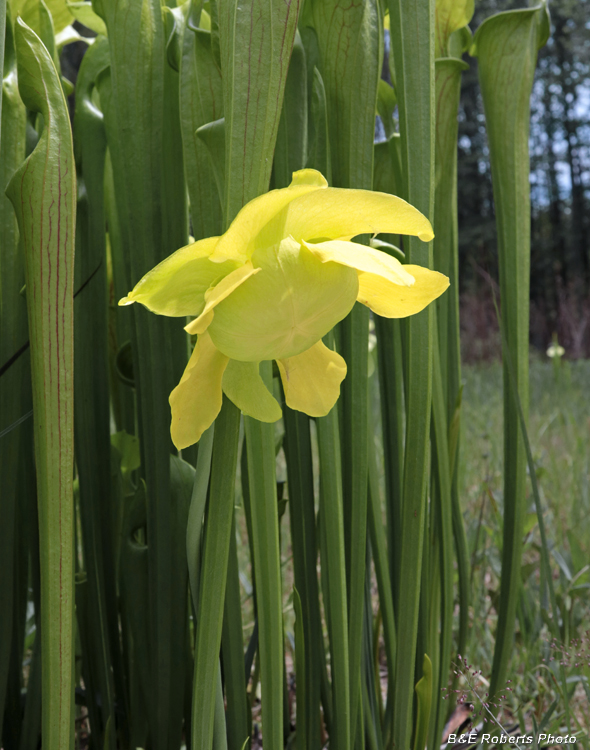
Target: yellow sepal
[[243, 385], [196, 400], [311, 380], [176, 287]]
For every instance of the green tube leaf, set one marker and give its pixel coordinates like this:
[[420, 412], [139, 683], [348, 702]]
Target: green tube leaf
[[506, 46], [13, 324], [451, 15], [43, 193], [412, 41]]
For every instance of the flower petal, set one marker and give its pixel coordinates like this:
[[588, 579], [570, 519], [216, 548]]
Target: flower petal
[[241, 238], [176, 287], [337, 213], [394, 301], [217, 294], [364, 259], [311, 380], [285, 309], [243, 385], [196, 400]]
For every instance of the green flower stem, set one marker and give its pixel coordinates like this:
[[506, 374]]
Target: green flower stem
[[43, 193], [298, 454], [232, 651], [351, 45], [255, 39], [267, 568], [214, 572], [333, 566], [378, 540], [412, 40], [444, 547]]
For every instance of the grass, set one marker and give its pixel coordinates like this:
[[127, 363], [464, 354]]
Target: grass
[[559, 428]]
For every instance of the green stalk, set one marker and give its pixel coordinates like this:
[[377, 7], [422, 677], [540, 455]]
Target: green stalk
[[444, 532], [43, 193], [139, 117], [351, 48], [506, 46], [253, 39], [201, 102], [378, 540], [3, 9], [334, 569], [267, 568], [194, 536], [303, 733], [448, 372], [412, 40], [13, 324], [213, 572], [91, 387], [232, 654], [298, 454], [387, 179]]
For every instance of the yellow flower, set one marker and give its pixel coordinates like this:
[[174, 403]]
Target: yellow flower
[[272, 286]]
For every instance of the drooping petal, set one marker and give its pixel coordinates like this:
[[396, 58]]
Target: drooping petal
[[243, 385], [394, 301], [363, 259], [311, 380], [339, 214], [217, 294], [294, 301], [176, 287], [241, 238], [196, 400]]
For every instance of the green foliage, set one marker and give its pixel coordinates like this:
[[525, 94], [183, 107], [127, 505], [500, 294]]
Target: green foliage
[[43, 193], [506, 46]]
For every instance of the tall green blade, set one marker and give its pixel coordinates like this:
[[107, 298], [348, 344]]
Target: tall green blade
[[441, 508], [43, 193], [334, 570], [450, 15], [214, 573], [351, 50], [267, 568], [382, 564], [506, 46], [3, 9], [201, 102], [412, 40], [290, 155], [91, 387], [139, 118], [13, 335], [232, 652], [256, 39], [298, 454]]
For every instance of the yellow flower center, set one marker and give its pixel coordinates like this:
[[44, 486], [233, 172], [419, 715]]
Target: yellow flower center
[[285, 308]]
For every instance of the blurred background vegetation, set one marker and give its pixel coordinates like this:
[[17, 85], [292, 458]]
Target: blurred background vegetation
[[560, 192]]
